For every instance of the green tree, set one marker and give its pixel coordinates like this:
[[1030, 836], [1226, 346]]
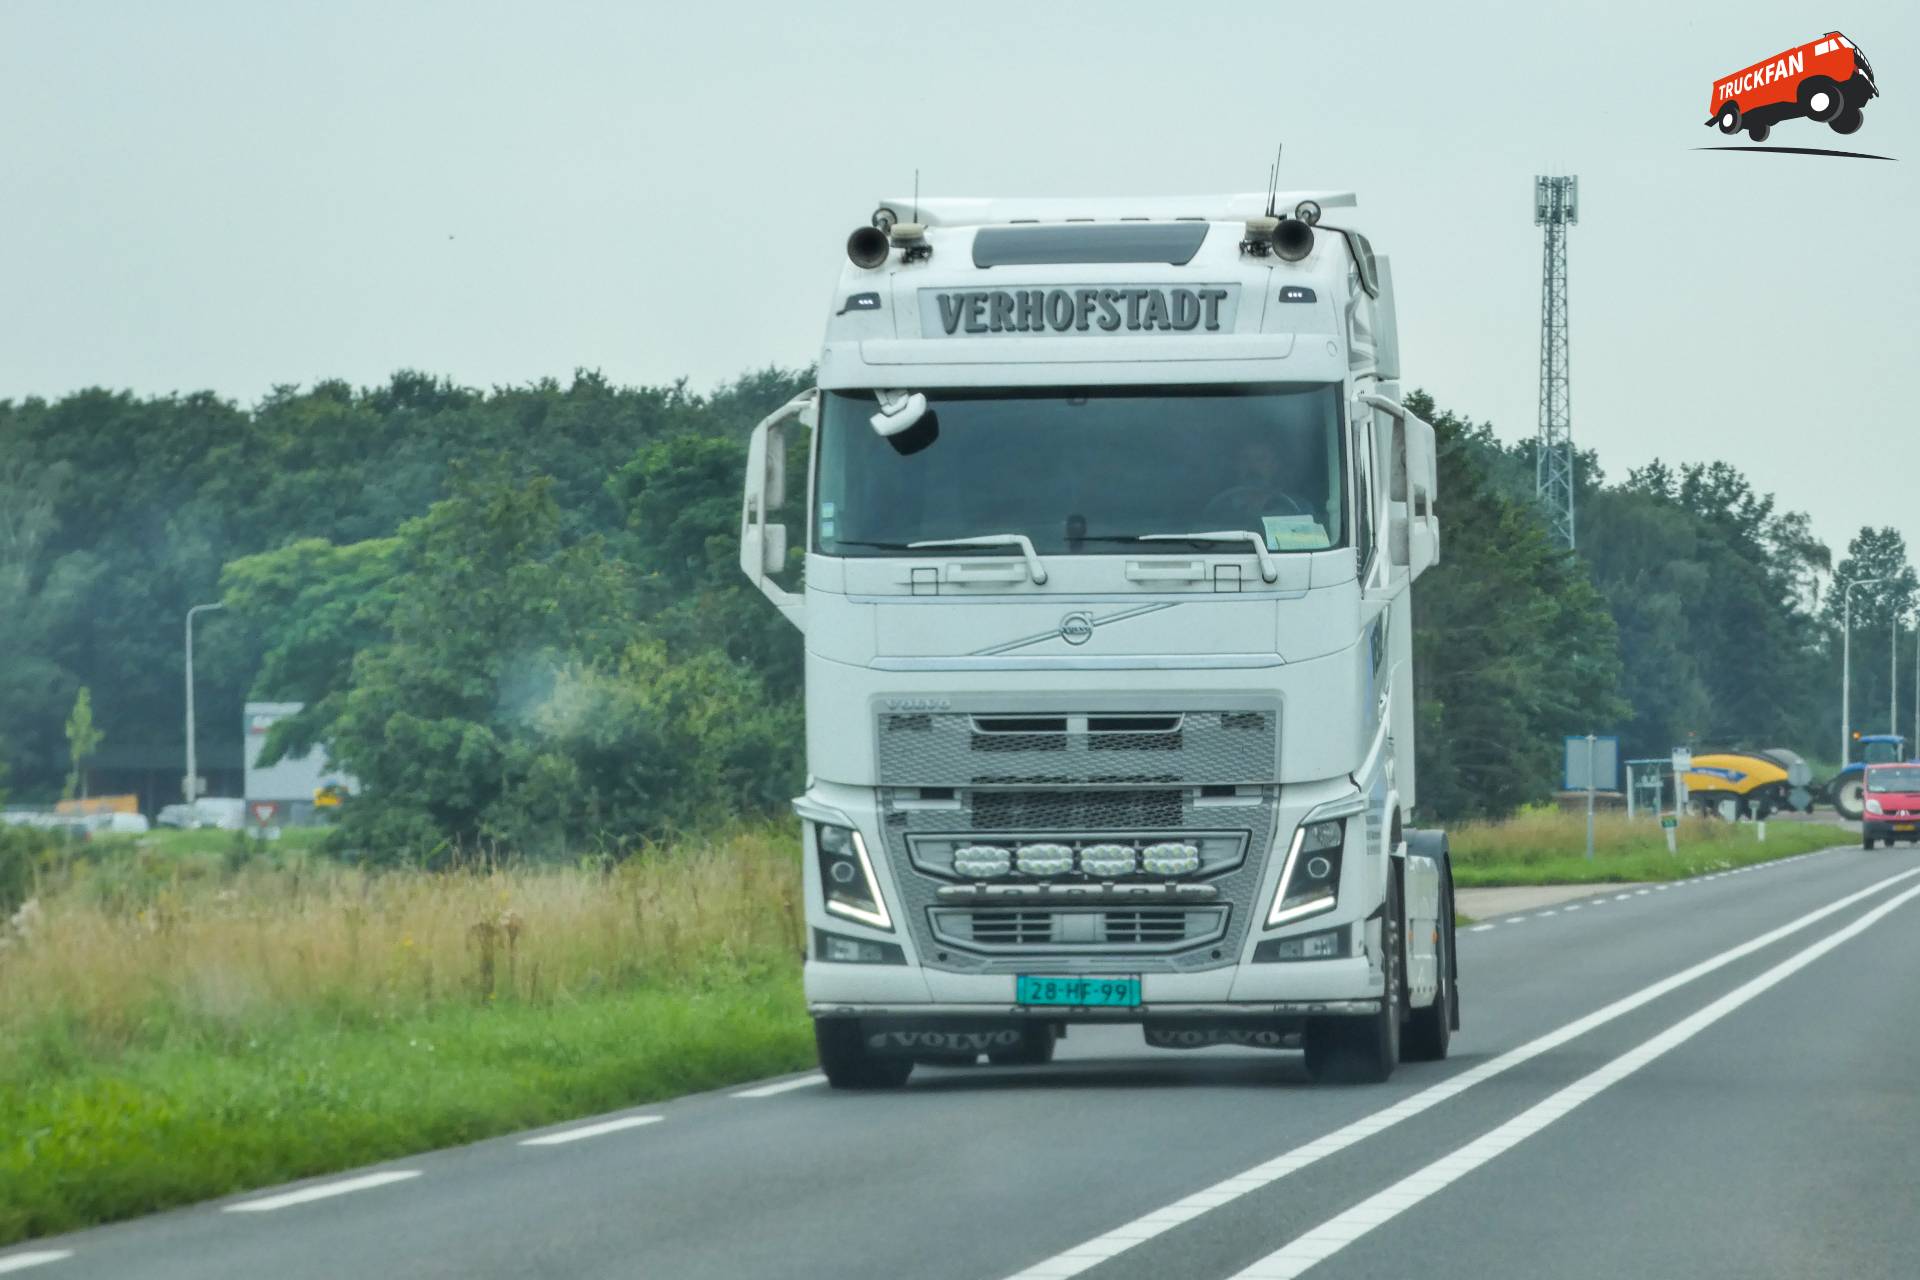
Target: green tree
[[1513, 647], [83, 739]]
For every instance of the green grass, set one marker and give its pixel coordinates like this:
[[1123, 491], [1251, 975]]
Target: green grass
[[188, 1018], [88, 1141], [1549, 847]]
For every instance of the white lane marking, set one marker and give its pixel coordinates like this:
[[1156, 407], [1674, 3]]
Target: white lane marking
[[1547, 912], [1660, 888], [1571, 907], [589, 1131], [21, 1261], [1621, 896], [1337, 1232], [323, 1191], [1480, 928], [1642, 893], [1081, 1257], [785, 1086]]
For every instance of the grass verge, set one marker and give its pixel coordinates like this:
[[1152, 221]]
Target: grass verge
[[170, 1037], [1549, 847]]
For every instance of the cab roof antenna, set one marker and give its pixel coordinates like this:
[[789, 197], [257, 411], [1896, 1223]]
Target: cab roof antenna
[[1273, 179]]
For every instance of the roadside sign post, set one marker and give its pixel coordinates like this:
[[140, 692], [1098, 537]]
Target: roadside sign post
[[1590, 772], [264, 812], [1589, 759], [1682, 763], [1667, 824]]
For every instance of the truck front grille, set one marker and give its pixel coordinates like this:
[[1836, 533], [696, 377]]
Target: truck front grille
[[960, 749], [997, 928]]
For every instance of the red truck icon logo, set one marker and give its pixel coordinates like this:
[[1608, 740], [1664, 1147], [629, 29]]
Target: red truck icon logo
[[1826, 80]]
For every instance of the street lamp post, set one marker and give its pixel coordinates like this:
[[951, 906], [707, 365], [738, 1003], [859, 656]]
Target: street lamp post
[[191, 787], [1846, 668]]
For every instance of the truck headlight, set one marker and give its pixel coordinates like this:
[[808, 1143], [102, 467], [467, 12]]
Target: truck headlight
[[1310, 880], [1873, 806], [846, 876]]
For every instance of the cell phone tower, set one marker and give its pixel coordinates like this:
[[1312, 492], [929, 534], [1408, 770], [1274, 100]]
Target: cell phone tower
[[1556, 206]]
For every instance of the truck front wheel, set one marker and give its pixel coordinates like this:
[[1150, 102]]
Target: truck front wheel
[[849, 1064], [1821, 99], [1848, 121], [1366, 1049], [1730, 118]]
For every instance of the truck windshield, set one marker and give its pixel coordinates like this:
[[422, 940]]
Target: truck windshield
[[1903, 779], [1083, 470]]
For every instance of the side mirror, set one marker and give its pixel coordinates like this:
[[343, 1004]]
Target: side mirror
[[763, 546]]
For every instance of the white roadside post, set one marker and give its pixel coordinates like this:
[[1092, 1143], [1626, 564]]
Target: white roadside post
[[1682, 761], [192, 786], [1592, 769]]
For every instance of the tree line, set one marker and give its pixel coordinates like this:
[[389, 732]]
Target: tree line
[[515, 614]]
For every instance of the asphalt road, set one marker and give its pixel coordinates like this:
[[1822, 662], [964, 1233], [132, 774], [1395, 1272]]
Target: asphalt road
[[1711, 1079]]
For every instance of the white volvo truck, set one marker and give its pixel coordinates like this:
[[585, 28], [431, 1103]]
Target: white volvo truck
[[1112, 512]]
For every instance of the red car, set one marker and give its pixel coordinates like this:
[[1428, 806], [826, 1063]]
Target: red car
[[1826, 80], [1893, 804]]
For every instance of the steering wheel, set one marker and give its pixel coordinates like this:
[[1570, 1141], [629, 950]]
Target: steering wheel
[[1243, 496]]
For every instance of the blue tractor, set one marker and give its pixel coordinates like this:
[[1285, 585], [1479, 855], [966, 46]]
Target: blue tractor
[[1847, 788]]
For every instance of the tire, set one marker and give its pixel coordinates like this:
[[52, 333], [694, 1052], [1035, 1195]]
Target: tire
[[1034, 1050], [1866, 842], [1821, 99], [845, 1060], [1848, 121], [1759, 132], [1850, 798], [1729, 118], [1429, 1031], [1365, 1050]]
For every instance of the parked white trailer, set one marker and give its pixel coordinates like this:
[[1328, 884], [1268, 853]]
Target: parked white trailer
[[1112, 513]]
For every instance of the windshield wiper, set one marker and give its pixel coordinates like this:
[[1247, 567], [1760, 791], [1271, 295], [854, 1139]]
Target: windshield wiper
[[1269, 571], [1035, 570]]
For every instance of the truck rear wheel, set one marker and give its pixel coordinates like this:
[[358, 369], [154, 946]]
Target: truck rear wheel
[[1729, 120], [1848, 121], [847, 1062], [1366, 1049]]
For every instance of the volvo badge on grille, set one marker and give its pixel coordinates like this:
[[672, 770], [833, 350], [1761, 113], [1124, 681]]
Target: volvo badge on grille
[[1076, 628]]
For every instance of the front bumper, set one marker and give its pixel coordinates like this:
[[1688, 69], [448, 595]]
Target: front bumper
[[1347, 986], [1904, 829]]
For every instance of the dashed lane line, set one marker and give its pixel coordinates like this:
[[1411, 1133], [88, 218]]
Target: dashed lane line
[[589, 1131], [1091, 1253], [784, 1086], [322, 1191], [31, 1258]]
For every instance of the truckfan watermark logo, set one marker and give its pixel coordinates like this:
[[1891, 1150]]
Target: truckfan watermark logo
[[1076, 628], [1825, 81]]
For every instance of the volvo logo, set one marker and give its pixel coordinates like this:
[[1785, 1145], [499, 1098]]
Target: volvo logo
[[918, 704], [1076, 628]]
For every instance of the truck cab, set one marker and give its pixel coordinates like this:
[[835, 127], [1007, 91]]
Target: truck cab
[[1110, 517]]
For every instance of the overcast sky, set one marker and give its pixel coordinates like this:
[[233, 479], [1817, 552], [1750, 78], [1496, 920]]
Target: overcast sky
[[230, 196]]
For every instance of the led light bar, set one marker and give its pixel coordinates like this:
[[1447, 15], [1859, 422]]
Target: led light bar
[[1044, 859], [1170, 859], [982, 861], [1108, 860]]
